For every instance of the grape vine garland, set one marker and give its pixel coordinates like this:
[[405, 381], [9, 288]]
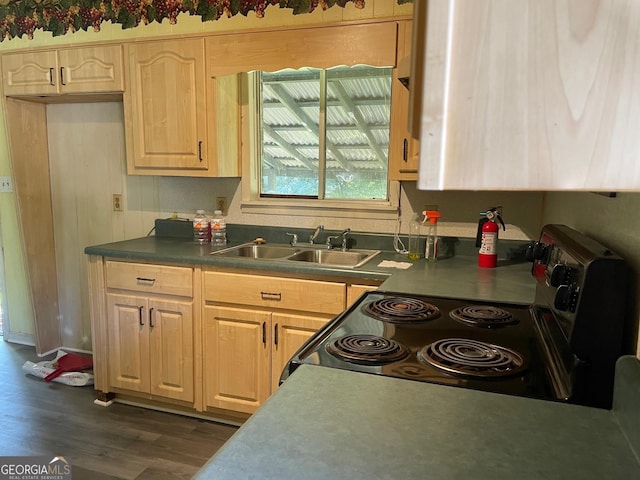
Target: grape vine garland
[[23, 17]]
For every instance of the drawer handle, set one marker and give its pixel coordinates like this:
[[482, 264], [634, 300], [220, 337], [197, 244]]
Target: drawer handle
[[149, 281], [140, 316], [271, 296]]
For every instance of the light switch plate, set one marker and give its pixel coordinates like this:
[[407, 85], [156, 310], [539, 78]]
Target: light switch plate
[[6, 185]]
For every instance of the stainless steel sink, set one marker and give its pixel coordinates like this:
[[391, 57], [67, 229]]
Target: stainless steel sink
[[352, 258], [315, 255], [268, 252]]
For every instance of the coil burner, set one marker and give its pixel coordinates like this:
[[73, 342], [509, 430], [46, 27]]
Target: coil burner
[[401, 310], [484, 316], [367, 349], [472, 358]]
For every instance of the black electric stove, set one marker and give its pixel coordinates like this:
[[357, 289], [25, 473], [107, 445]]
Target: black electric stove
[[563, 347]]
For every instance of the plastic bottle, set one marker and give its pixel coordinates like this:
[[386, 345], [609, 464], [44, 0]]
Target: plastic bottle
[[218, 229], [201, 233], [431, 248], [415, 232]]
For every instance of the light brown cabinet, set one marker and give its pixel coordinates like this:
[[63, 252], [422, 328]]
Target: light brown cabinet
[[150, 330], [529, 95], [354, 292], [171, 109], [253, 326], [403, 149], [71, 70]]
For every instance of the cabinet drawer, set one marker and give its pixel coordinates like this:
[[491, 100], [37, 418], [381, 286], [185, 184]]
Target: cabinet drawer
[[275, 292], [140, 277]]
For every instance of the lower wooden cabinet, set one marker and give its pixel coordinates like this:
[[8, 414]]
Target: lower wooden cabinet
[[289, 333], [354, 291], [246, 350], [144, 330], [201, 338], [151, 346], [253, 326]]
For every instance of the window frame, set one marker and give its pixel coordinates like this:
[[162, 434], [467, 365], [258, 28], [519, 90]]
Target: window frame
[[252, 202]]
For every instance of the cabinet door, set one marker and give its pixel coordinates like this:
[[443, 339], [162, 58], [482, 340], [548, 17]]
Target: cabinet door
[[128, 342], [165, 98], [30, 73], [403, 148], [236, 358], [289, 333], [354, 292], [171, 349], [91, 70]]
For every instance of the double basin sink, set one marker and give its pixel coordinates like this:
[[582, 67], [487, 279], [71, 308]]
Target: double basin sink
[[309, 254]]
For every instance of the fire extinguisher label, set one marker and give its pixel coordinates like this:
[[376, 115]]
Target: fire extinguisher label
[[488, 245]]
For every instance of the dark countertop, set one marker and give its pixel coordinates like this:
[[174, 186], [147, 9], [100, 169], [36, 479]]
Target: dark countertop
[[457, 276], [331, 423]]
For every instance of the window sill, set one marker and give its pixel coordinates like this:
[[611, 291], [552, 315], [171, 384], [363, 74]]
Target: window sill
[[322, 208]]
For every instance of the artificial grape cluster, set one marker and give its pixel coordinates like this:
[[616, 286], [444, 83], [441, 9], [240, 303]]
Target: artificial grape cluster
[[168, 9], [26, 25], [59, 16], [92, 17]]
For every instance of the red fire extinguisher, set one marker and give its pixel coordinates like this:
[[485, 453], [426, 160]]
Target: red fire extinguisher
[[488, 236]]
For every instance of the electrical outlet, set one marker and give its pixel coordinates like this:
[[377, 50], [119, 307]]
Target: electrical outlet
[[117, 202], [221, 204], [6, 185]]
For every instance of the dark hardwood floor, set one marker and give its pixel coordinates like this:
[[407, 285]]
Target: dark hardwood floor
[[116, 442]]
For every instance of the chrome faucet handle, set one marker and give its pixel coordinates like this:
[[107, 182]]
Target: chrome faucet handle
[[294, 238], [345, 234], [314, 235], [330, 239]]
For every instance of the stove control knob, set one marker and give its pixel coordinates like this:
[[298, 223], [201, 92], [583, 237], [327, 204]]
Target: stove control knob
[[536, 251], [560, 275], [566, 298]]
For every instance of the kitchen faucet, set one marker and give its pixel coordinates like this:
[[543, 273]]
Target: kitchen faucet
[[345, 234], [314, 235]]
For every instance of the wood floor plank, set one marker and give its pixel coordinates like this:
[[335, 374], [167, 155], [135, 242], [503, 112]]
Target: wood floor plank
[[114, 443]]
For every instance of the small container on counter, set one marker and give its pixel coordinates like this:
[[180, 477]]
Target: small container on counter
[[201, 228], [431, 246], [218, 229], [415, 233]]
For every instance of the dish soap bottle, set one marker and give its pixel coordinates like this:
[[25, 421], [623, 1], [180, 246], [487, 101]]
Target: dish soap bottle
[[431, 248], [415, 230]]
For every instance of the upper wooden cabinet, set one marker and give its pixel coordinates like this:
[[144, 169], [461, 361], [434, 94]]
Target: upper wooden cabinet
[[171, 112], [403, 149], [70, 70], [530, 94]]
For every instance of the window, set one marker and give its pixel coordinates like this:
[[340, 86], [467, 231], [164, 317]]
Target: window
[[325, 133]]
